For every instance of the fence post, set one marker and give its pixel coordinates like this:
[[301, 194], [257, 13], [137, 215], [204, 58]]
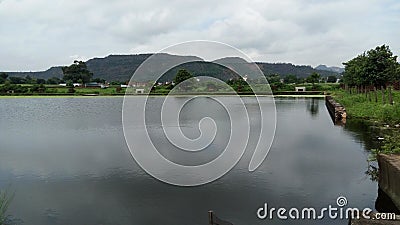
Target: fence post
[[210, 217], [383, 96], [390, 95]]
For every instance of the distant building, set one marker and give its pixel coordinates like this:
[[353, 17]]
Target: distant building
[[63, 85], [300, 89], [93, 85], [140, 91], [137, 84], [124, 85], [77, 84]]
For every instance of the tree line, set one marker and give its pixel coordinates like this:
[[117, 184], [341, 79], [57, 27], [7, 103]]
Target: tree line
[[373, 70], [75, 73], [78, 72]]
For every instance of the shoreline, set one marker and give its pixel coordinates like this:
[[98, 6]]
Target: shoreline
[[121, 96]]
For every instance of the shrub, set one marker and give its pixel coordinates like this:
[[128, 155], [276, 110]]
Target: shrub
[[5, 200]]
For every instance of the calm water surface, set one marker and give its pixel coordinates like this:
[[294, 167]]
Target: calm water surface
[[68, 163]]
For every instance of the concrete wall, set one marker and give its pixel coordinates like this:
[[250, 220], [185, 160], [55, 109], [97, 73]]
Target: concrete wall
[[336, 110], [389, 176]]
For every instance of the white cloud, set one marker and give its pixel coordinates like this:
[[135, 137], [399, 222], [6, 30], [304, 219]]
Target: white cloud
[[36, 34]]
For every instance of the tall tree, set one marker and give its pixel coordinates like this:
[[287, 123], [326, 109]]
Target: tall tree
[[382, 65], [77, 71], [290, 79], [3, 77], [331, 79], [30, 80], [375, 67], [274, 78], [181, 76], [17, 80], [313, 78], [53, 80]]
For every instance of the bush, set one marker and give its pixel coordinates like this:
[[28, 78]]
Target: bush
[[71, 90], [360, 106], [390, 114], [5, 200], [390, 145]]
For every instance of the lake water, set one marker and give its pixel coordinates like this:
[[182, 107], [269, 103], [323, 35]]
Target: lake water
[[67, 161]]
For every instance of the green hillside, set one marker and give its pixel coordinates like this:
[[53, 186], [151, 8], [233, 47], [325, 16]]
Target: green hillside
[[122, 67]]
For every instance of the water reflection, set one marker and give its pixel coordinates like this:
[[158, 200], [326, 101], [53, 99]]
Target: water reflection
[[369, 136], [313, 106], [69, 164], [365, 132]]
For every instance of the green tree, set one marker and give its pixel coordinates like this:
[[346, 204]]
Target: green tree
[[181, 76], [17, 80], [313, 78], [30, 80], [274, 79], [3, 77], [99, 80], [239, 85], [382, 66], [290, 79], [53, 80], [38, 88], [375, 67], [116, 82], [77, 71], [331, 79], [40, 81]]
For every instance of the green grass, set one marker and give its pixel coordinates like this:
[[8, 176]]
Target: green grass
[[390, 145], [5, 200], [364, 107], [309, 87]]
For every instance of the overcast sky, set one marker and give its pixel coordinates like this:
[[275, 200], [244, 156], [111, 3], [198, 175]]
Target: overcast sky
[[37, 34]]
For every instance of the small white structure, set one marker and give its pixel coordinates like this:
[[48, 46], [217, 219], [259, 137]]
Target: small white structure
[[140, 91], [63, 85], [300, 89], [124, 85], [76, 84]]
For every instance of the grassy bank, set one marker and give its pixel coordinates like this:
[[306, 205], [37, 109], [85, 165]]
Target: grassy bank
[[363, 106], [387, 116]]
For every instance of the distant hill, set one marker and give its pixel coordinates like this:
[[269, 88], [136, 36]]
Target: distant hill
[[288, 68], [330, 69], [122, 67], [52, 72]]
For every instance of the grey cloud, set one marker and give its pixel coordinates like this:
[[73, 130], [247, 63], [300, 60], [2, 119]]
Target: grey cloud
[[38, 34]]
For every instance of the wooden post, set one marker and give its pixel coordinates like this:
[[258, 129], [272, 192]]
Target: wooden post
[[390, 96], [369, 96], [376, 95], [210, 217], [383, 95]]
